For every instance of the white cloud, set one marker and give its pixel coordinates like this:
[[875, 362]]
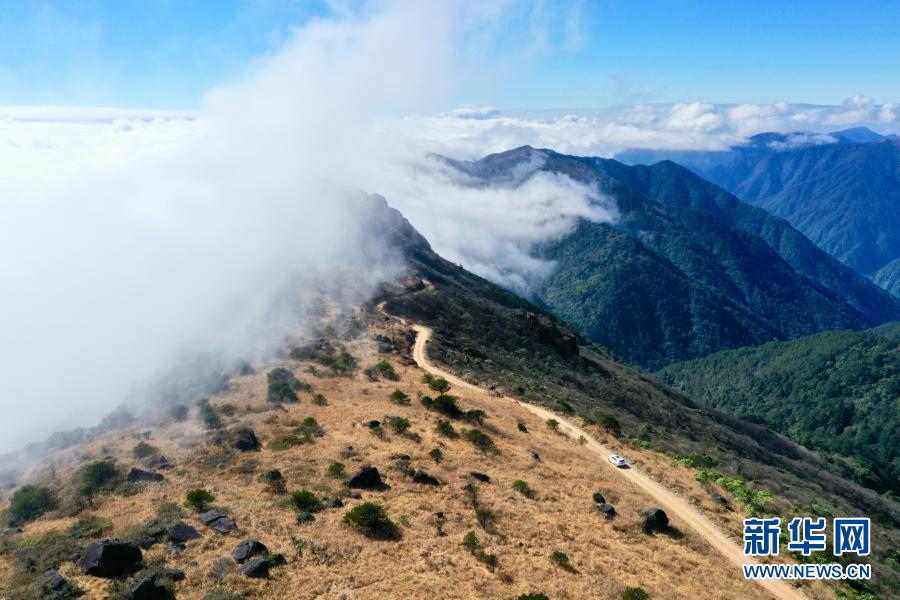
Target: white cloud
[[129, 238]]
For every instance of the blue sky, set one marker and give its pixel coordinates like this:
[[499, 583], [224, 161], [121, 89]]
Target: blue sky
[[167, 53]]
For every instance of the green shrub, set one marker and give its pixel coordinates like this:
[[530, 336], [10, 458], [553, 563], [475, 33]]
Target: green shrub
[[447, 405], [98, 476], [382, 369], [436, 455], [399, 397], [427, 402], [531, 597], [198, 499], [609, 424], [305, 501], [523, 488], [565, 407], [319, 400], [208, 415], [143, 450], [635, 593], [281, 392], [336, 469], [398, 424], [553, 424], [560, 559], [372, 520], [479, 439], [470, 542], [439, 384], [598, 497], [476, 416], [696, 460], [309, 426], [446, 429], [29, 502], [484, 516], [283, 442]]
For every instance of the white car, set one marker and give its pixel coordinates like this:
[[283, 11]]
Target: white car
[[617, 460]]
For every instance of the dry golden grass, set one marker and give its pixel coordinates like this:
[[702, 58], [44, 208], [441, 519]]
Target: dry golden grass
[[328, 559]]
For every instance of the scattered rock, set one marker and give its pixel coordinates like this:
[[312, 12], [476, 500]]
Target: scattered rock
[[211, 515], [258, 568], [721, 501], [181, 533], [367, 478], [248, 549], [421, 476], [173, 574], [521, 426], [305, 517], [440, 515], [244, 439], [401, 457], [157, 461], [480, 476], [218, 520], [56, 587], [334, 503], [136, 474], [606, 509], [110, 558], [655, 519], [151, 534], [373, 423], [534, 455], [149, 588], [354, 494]]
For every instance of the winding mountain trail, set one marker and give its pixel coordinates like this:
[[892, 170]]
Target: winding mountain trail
[[675, 506]]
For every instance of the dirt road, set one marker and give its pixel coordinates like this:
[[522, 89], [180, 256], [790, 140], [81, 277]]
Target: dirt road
[[676, 507]]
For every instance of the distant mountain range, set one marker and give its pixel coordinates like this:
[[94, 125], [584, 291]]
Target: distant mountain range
[[688, 269], [841, 190]]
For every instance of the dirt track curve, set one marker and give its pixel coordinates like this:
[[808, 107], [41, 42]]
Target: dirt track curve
[[674, 505]]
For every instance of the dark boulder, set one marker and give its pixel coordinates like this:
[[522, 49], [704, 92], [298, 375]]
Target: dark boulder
[[110, 558], [258, 568], [521, 426], [420, 476], [56, 587], [181, 533], [151, 533], [354, 494], [211, 515], [534, 455], [136, 474], [173, 574], [367, 478], [158, 461], [306, 517], [149, 588], [244, 439], [655, 519], [373, 423], [218, 520], [224, 525], [334, 503], [10, 531], [482, 477], [606, 509], [248, 549]]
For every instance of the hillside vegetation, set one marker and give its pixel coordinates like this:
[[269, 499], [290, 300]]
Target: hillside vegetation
[[837, 392]]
